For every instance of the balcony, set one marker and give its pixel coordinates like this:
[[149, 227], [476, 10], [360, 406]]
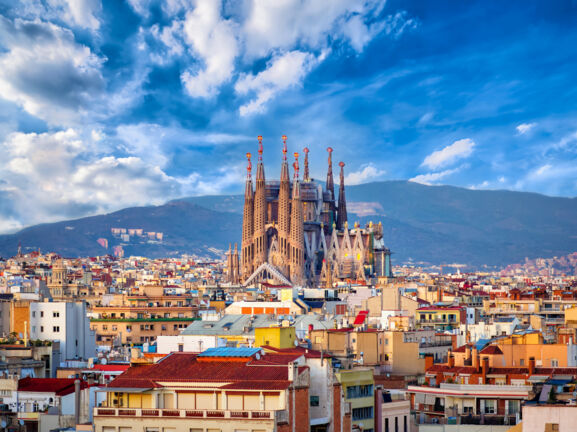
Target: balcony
[[479, 389], [280, 416]]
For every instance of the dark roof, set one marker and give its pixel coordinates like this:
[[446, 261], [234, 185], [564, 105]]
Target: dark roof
[[59, 386]]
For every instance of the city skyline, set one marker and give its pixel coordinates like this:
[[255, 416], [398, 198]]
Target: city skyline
[[105, 105]]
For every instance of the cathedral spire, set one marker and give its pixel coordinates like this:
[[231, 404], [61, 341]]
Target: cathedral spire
[[330, 181], [260, 212], [284, 212], [342, 209], [297, 244], [247, 249], [306, 177]]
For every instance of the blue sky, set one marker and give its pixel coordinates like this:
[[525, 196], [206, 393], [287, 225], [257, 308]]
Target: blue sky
[[107, 104]]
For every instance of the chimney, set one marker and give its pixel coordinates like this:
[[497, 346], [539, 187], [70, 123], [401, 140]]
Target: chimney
[[467, 353], [485, 369], [531, 365], [453, 342], [475, 359], [76, 401], [451, 360], [429, 361], [292, 371]]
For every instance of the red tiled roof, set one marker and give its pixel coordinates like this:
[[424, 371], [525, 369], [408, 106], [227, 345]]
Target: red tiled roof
[[59, 386], [185, 367], [492, 350]]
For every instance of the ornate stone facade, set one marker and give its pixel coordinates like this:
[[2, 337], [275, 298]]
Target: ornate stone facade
[[295, 233]]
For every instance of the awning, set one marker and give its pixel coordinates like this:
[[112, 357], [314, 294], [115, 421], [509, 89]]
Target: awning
[[538, 378], [320, 421], [558, 382], [123, 389], [419, 398], [563, 377]]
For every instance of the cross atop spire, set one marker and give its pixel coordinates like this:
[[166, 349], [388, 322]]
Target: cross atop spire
[[284, 150], [259, 147], [249, 165], [296, 165]]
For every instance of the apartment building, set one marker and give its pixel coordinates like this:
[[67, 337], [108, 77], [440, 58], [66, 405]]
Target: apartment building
[[67, 323], [221, 389]]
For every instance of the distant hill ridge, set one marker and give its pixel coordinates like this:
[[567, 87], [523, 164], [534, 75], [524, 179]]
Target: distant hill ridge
[[433, 224]]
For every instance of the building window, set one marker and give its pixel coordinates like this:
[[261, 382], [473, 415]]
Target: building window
[[522, 362], [180, 347], [551, 427], [314, 400], [128, 328], [56, 329], [104, 327], [514, 406], [55, 314], [386, 425], [114, 328], [41, 329], [405, 427], [362, 413], [490, 406], [554, 363], [396, 424], [33, 314], [41, 314], [359, 391]]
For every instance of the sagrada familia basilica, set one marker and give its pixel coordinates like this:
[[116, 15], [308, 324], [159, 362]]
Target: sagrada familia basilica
[[297, 233]]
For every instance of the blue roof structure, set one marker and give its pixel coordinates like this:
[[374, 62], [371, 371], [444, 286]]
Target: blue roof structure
[[229, 352], [480, 344]]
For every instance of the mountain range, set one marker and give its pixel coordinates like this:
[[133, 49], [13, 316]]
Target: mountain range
[[421, 224]]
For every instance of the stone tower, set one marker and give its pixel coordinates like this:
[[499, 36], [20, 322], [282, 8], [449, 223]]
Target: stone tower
[[260, 212], [342, 208], [59, 280], [247, 250], [284, 212], [297, 243]]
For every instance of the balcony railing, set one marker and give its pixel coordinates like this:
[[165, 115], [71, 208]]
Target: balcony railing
[[280, 416]]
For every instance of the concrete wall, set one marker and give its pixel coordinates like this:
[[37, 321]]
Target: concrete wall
[[535, 418]]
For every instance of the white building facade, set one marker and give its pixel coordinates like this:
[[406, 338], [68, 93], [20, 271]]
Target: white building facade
[[67, 323]]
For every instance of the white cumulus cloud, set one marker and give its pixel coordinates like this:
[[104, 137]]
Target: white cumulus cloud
[[213, 40], [45, 71], [367, 173], [432, 178], [458, 150], [524, 128], [281, 73], [62, 175]]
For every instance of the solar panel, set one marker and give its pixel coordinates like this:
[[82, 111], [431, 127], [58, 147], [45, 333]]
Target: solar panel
[[229, 352]]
